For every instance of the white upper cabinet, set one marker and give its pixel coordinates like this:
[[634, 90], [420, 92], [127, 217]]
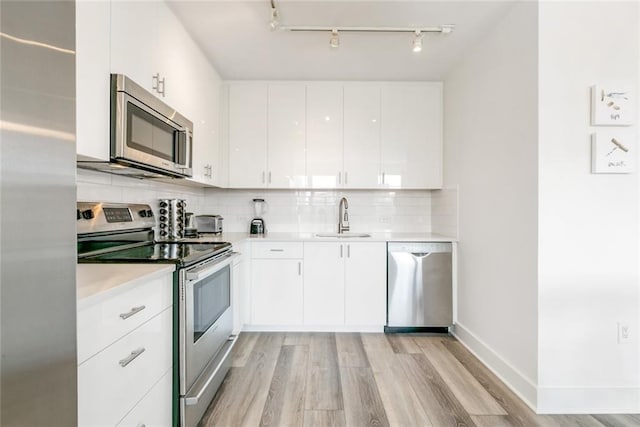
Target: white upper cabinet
[[93, 20], [248, 125], [358, 135], [286, 136], [412, 136], [324, 135], [134, 32], [362, 137]]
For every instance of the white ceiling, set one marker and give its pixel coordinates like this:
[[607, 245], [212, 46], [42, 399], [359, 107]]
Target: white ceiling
[[235, 36]]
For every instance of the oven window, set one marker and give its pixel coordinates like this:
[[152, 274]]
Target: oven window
[[148, 134], [211, 297]]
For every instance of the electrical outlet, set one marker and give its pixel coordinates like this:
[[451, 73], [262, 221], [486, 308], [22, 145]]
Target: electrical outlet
[[624, 332]]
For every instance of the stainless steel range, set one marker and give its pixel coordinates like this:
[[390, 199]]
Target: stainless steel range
[[203, 318]]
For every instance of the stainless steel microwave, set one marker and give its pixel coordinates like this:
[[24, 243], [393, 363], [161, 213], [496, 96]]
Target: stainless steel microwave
[[146, 133]]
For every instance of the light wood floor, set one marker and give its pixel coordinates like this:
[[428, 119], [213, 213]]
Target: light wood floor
[[326, 379]]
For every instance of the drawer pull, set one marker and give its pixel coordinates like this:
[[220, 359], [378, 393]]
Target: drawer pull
[[276, 250], [130, 358], [133, 311]]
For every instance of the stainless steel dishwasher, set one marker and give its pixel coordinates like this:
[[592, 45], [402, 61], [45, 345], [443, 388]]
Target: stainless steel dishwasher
[[419, 287]]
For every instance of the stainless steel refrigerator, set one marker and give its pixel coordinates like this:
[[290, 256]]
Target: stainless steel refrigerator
[[37, 204]]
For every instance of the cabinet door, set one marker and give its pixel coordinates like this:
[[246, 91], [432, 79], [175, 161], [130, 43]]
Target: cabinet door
[[324, 136], [412, 136], [93, 20], [286, 147], [366, 284], [133, 40], [362, 137], [247, 135], [155, 407], [276, 292], [324, 283]]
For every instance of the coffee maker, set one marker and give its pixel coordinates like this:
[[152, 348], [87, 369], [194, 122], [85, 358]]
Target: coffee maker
[[257, 224]]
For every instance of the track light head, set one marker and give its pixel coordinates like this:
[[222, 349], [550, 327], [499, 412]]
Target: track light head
[[334, 41], [417, 42]]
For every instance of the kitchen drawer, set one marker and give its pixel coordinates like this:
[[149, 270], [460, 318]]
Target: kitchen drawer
[[278, 250], [154, 410], [106, 321], [107, 391]]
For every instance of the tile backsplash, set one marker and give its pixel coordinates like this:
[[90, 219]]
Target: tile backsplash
[[288, 210]]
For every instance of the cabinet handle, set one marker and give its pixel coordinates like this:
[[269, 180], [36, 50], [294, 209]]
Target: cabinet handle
[[269, 177], [276, 250], [340, 251], [161, 82], [155, 82], [130, 358], [263, 177], [346, 178], [383, 177], [339, 177], [299, 268], [134, 310], [348, 251]]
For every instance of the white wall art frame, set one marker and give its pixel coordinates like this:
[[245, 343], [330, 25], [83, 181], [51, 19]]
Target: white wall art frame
[[611, 106], [613, 151]]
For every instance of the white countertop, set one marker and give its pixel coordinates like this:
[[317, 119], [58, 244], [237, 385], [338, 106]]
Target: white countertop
[[236, 237], [100, 280]]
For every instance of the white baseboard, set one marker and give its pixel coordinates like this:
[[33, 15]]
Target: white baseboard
[[591, 400], [522, 386]]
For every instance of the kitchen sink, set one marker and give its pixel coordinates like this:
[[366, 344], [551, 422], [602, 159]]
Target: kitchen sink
[[343, 235]]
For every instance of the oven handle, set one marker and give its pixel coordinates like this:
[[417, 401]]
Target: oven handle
[[193, 400], [208, 269]]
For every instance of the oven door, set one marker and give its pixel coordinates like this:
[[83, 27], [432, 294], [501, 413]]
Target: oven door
[[206, 318]]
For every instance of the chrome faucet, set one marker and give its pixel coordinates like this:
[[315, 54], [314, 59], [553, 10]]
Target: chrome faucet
[[343, 216]]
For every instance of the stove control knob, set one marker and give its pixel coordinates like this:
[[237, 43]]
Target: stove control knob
[[163, 218], [163, 233], [163, 204], [149, 213], [143, 213], [163, 211], [79, 215], [163, 225], [87, 214]]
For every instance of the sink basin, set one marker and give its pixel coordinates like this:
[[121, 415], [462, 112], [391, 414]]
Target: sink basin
[[343, 235]]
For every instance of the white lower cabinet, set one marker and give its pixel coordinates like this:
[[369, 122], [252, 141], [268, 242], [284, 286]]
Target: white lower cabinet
[[148, 412], [324, 283], [125, 356], [276, 283], [345, 284]]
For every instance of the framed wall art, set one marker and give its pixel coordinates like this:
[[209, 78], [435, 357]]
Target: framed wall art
[[613, 151], [611, 106]]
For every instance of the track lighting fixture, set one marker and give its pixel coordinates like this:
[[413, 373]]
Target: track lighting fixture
[[417, 42], [334, 41]]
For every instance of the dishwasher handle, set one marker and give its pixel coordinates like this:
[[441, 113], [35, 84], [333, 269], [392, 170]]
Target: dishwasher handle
[[419, 248]]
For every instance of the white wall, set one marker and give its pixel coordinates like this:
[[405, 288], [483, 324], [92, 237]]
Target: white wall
[[588, 223], [491, 154]]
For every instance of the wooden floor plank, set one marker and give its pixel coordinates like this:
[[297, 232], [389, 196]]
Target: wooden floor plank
[[403, 343], [351, 351], [285, 401], [297, 338], [567, 421], [247, 387], [323, 390], [400, 402], [243, 347], [492, 421], [473, 397], [375, 342], [362, 403], [438, 402], [618, 420], [324, 419], [519, 413]]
